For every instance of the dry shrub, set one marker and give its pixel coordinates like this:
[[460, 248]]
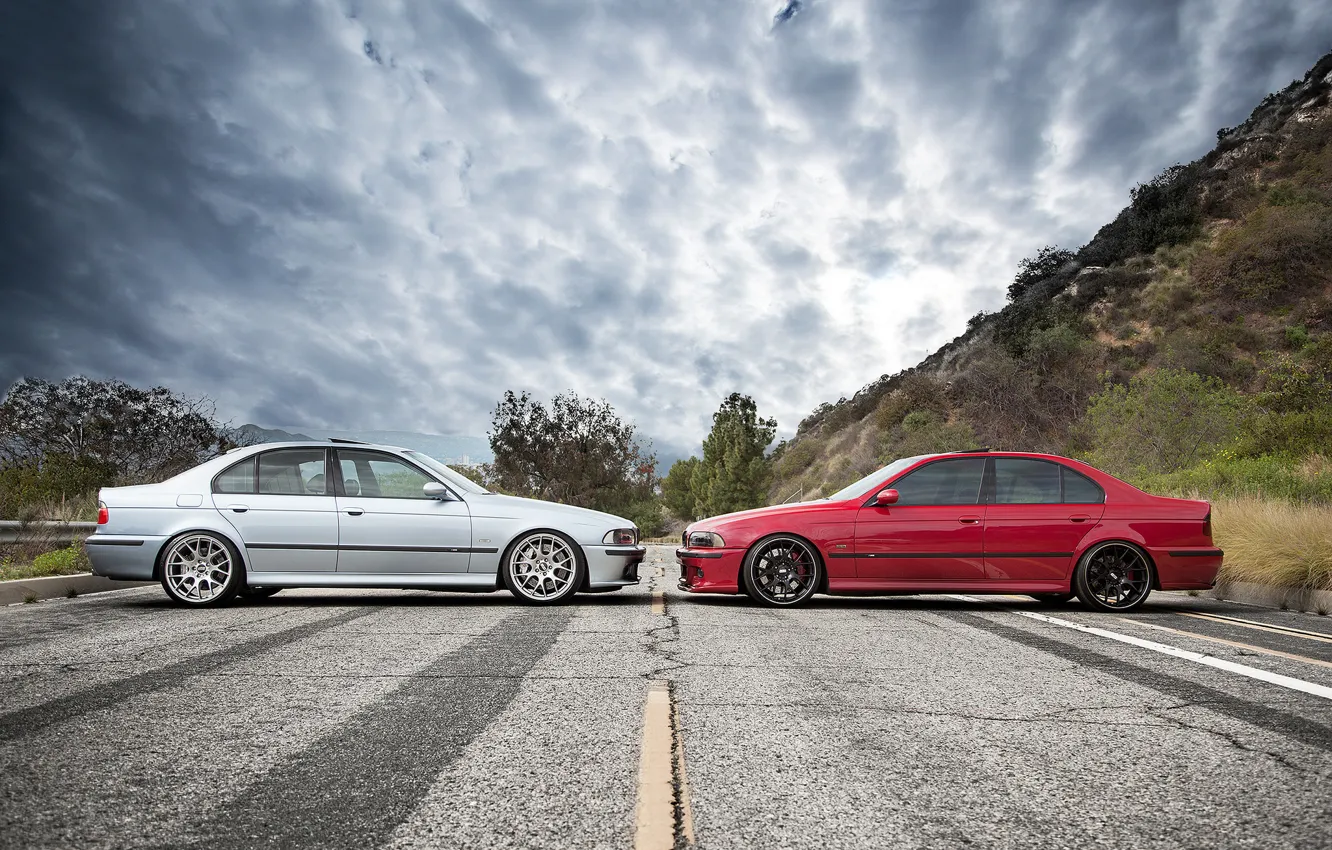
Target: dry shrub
[[1279, 544], [1278, 253]]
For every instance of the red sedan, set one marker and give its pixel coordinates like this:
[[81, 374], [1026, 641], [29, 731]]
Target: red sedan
[[973, 522]]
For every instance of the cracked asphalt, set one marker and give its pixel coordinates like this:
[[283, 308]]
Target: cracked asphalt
[[405, 719]]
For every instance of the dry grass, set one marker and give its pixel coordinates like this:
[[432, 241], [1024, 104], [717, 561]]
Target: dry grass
[[1280, 544]]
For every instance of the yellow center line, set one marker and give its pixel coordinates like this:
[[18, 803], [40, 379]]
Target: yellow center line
[[1247, 646], [654, 817], [658, 602], [1264, 627]]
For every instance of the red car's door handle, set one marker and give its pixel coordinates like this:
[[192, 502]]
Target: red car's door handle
[[1079, 518], [969, 520]]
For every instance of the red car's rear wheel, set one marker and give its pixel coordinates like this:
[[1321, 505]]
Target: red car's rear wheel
[[1113, 577], [781, 571]]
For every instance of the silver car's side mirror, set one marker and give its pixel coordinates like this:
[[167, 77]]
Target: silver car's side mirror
[[435, 490]]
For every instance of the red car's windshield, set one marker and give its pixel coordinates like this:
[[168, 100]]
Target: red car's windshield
[[853, 490]]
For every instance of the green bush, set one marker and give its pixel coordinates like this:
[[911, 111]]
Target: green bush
[[62, 562], [1265, 477], [925, 432], [1164, 421]]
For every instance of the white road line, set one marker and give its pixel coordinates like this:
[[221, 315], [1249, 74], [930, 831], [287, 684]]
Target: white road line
[[1165, 649], [1253, 624]]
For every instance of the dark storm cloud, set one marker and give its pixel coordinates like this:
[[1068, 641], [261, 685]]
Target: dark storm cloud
[[352, 215]]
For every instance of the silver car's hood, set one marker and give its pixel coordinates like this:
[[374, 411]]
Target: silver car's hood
[[493, 504]]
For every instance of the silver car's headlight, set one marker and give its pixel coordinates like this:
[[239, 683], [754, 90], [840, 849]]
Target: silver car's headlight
[[621, 537], [705, 540]]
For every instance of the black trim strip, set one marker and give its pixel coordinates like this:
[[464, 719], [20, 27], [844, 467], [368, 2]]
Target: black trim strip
[[326, 548], [683, 553], [91, 541], [920, 555], [307, 546], [1206, 553], [627, 550], [950, 554]]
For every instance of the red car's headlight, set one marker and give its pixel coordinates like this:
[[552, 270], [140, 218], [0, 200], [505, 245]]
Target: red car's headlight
[[705, 540], [621, 537]]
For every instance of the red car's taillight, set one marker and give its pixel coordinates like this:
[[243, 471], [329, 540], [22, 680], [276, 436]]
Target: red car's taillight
[[1207, 524], [103, 515]]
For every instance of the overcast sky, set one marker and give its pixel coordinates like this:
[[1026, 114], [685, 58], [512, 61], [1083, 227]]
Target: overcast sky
[[384, 214]]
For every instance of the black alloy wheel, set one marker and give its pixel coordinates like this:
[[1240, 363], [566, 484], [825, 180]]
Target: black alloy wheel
[[782, 571], [1113, 576]]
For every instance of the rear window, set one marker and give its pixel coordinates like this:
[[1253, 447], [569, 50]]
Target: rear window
[[237, 478], [1081, 490]]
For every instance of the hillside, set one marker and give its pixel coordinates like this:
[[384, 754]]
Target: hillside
[[1188, 344]]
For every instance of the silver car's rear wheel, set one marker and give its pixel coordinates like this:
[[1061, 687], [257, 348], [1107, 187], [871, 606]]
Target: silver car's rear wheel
[[543, 567], [201, 569]]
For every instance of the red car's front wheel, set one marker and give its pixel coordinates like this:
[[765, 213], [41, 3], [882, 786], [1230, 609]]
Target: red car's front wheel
[[781, 571]]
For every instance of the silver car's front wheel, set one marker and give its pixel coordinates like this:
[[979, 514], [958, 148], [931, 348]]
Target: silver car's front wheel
[[543, 567], [201, 569]]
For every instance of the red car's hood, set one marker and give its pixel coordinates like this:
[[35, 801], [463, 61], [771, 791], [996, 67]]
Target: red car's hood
[[771, 510]]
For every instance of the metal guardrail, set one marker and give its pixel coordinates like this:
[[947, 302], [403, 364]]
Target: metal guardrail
[[12, 530]]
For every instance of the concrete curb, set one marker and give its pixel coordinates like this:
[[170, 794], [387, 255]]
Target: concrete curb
[[1274, 597], [19, 590]]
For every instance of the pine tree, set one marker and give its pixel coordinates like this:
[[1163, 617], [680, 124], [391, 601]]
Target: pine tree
[[733, 473]]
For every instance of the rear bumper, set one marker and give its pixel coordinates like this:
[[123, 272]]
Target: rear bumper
[[127, 557], [609, 567], [1188, 568], [710, 570]]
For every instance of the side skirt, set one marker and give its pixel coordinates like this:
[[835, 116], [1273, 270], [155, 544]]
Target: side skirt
[[422, 581], [853, 586]]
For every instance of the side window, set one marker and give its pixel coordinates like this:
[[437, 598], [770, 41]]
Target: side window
[[1081, 490], [376, 475], [237, 478], [1018, 481], [944, 482], [293, 472]]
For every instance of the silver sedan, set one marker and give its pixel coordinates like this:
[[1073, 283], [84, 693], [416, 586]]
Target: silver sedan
[[336, 514]]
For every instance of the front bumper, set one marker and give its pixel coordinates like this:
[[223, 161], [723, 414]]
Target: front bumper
[[710, 570], [128, 557], [609, 567]]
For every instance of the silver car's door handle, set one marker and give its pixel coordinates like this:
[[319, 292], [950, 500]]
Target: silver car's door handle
[[354, 511], [240, 509]]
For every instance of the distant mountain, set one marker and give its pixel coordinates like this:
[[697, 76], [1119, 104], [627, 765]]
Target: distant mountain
[[449, 448], [1220, 269], [249, 434]]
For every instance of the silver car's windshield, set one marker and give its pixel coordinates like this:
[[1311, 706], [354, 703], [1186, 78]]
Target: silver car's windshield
[[853, 490], [455, 479]]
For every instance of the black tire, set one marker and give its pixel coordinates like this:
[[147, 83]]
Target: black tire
[[252, 592], [523, 573], [773, 563], [201, 569], [1114, 576], [1051, 598]]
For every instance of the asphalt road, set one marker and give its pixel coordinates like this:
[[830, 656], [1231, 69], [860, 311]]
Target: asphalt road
[[328, 719]]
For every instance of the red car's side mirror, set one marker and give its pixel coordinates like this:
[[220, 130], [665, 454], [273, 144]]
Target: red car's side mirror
[[886, 497]]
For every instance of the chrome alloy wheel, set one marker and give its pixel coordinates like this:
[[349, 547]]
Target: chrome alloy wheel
[[783, 571], [1115, 577], [543, 567], [198, 568]]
